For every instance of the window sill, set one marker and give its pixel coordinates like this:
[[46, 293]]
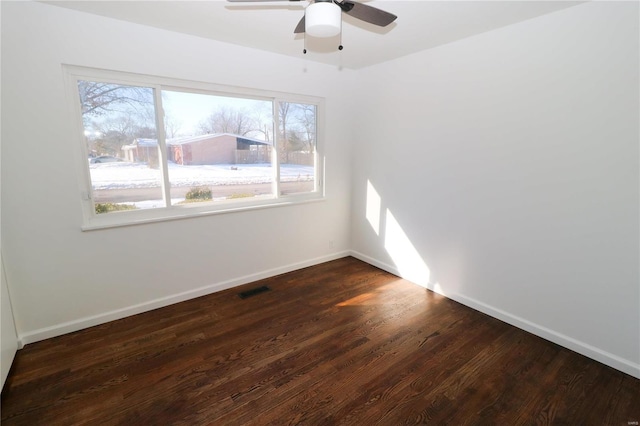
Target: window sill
[[122, 219]]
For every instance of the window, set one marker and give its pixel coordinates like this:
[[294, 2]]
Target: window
[[297, 142], [155, 148]]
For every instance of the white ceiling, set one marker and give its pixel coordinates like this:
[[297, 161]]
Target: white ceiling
[[269, 26]]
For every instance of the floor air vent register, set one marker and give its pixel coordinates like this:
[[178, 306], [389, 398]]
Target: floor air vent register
[[253, 292]]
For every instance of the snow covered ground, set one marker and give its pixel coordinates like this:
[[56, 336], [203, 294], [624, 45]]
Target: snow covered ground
[[123, 175]]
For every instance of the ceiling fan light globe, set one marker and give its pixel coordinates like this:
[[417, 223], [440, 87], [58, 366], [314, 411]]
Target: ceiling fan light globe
[[323, 19]]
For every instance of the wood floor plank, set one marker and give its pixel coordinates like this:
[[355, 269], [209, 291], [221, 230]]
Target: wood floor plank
[[338, 343]]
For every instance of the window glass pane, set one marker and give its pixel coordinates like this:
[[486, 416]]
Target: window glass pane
[[120, 131], [218, 147], [297, 147]]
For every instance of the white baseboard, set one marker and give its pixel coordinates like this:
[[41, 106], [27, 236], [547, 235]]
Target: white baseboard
[[71, 326], [375, 262], [568, 342]]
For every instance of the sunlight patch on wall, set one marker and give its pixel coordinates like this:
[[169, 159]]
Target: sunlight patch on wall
[[437, 288], [373, 208], [403, 253]]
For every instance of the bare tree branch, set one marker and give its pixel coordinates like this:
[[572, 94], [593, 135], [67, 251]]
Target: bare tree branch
[[229, 120], [99, 98]]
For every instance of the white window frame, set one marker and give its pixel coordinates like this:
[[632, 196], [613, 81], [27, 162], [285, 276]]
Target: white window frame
[[92, 221]]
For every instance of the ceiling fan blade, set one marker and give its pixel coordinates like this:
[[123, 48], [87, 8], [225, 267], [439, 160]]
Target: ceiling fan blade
[[368, 13], [300, 27], [257, 1]]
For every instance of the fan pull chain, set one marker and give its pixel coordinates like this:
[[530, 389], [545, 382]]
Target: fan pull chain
[[304, 50]]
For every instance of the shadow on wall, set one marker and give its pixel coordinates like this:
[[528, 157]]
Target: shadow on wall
[[407, 261]]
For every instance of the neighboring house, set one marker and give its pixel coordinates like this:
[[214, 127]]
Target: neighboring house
[[224, 148], [216, 149], [141, 150]]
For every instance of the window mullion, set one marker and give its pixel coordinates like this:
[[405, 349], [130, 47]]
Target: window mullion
[[275, 158], [162, 147]]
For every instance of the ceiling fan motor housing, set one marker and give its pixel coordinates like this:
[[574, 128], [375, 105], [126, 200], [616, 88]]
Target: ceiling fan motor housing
[[323, 19]]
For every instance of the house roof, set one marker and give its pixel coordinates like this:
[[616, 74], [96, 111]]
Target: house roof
[[190, 139], [146, 142]]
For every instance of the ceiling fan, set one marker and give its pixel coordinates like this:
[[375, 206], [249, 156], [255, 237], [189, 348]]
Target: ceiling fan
[[323, 18]]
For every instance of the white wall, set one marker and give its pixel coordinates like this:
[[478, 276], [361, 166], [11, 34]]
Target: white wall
[[502, 171], [8, 337], [62, 279]]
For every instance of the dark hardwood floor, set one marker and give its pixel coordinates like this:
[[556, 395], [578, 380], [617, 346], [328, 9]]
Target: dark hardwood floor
[[338, 343]]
